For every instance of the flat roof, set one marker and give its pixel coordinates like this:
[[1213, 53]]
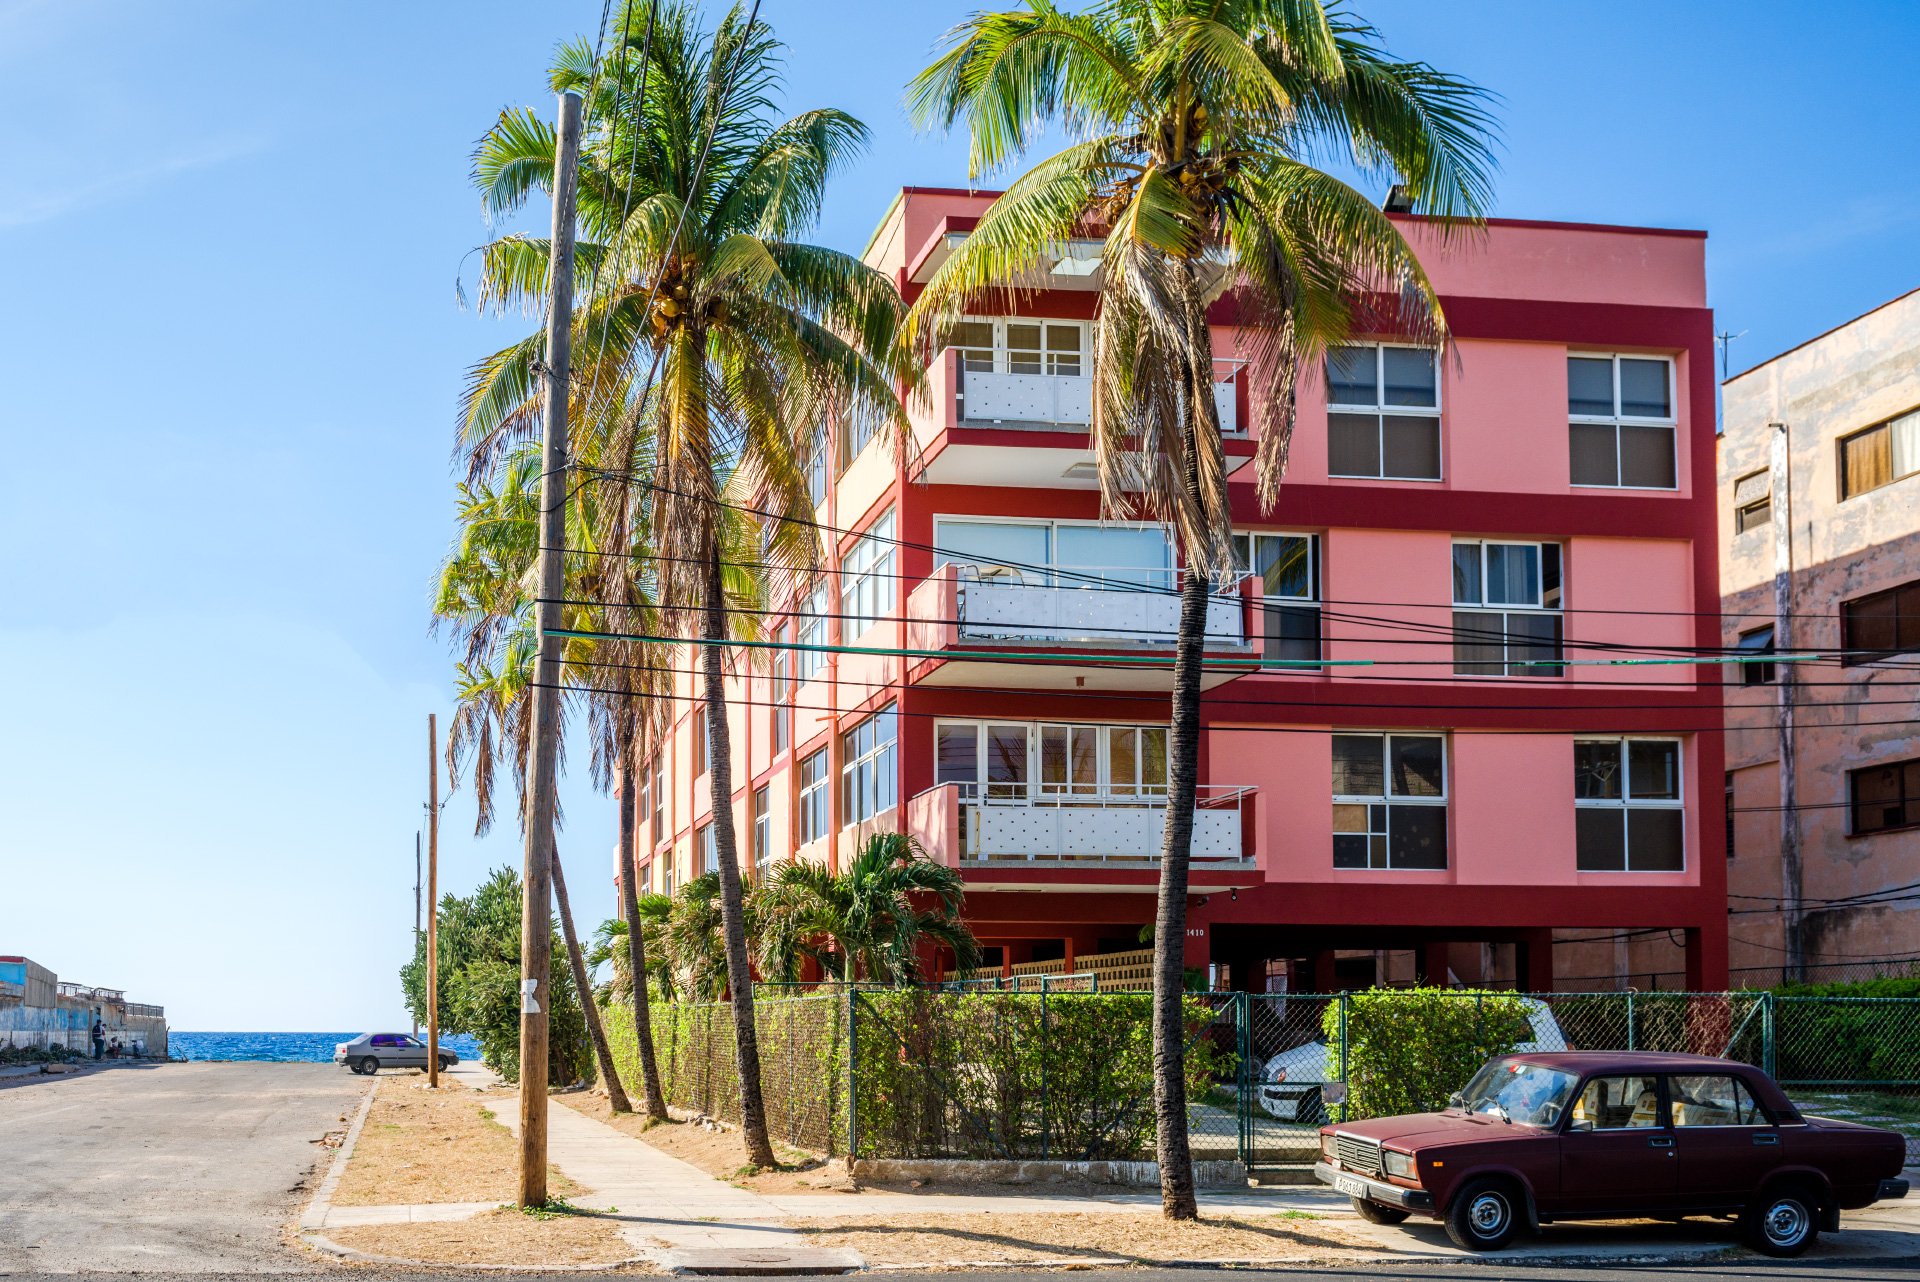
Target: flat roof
[[1824, 333]]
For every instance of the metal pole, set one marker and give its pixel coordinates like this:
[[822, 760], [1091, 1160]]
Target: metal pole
[[536, 912], [853, 1078], [1630, 1045], [433, 898], [1346, 1091]]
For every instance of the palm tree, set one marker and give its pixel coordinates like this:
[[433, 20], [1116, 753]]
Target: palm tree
[[610, 949], [1197, 122], [738, 337], [863, 922]]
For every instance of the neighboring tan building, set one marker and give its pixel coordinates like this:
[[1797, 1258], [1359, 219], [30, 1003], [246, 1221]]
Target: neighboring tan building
[[1820, 552], [1450, 722]]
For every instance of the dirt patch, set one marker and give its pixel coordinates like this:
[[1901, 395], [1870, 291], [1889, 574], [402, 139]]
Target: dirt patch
[[421, 1145], [1138, 1236], [503, 1236], [721, 1154]]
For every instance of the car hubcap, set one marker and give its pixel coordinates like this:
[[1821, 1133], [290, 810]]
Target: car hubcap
[[1785, 1223], [1488, 1213]]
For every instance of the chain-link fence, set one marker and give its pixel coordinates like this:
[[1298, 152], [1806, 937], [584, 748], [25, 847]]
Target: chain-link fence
[[1050, 1073]]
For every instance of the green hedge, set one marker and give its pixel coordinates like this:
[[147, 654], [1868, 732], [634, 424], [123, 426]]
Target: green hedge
[[1408, 1049]]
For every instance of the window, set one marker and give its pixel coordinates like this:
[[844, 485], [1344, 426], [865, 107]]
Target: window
[[706, 851], [1046, 553], [813, 798], [1713, 1099], [1617, 1104], [1753, 501], [1628, 812], [1020, 345], [1383, 412], [1621, 429], [866, 579], [1515, 642], [699, 741], [857, 426], [812, 632], [1886, 796], [1873, 627], [1730, 814], [666, 862], [867, 777], [762, 835], [1286, 569], [643, 804], [782, 715], [1389, 801], [1019, 761], [1880, 455], [659, 798], [1757, 641], [817, 465]]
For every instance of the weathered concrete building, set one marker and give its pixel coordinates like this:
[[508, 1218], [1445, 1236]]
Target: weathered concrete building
[[1819, 473], [37, 1010]]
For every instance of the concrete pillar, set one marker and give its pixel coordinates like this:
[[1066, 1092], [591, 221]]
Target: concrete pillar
[[1534, 964], [1431, 964], [1325, 979]]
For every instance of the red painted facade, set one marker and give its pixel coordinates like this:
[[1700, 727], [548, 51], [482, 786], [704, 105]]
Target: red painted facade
[[1640, 582]]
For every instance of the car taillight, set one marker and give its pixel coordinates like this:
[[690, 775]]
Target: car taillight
[[1326, 1148]]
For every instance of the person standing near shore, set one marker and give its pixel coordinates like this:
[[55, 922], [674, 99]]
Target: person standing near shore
[[99, 1038]]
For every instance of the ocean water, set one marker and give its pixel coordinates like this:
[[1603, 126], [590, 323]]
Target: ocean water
[[292, 1048]]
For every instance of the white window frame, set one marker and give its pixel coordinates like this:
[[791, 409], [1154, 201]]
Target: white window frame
[[1617, 420], [1246, 564], [706, 850], [760, 807], [1054, 573], [811, 629], [811, 818], [1002, 357], [1484, 606], [1036, 791], [1378, 407], [881, 760], [1627, 802], [1389, 799], [867, 579]]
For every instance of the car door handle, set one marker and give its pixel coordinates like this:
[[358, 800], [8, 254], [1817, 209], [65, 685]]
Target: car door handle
[[1766, 1139], [1661, 1141]]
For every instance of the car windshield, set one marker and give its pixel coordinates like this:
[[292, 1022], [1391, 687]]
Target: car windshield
[[1526, 1093]]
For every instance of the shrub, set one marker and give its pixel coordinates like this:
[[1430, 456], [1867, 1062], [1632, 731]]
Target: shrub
[[1408, 1049]]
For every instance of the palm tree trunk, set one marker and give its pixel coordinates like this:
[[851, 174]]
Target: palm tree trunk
[[1177, 1201], [746, 1043], [616, 1094], [630, 905]]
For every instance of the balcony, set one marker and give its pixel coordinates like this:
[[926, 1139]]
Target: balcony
[[973, 607], [1062, 400], [1032, 831]]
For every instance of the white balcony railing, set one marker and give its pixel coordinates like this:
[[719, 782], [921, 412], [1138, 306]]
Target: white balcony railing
[[1059, 398], [1022, 823], [1094, 603]]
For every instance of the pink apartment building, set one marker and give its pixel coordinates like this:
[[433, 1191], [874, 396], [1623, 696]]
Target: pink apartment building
[[1431, 731]]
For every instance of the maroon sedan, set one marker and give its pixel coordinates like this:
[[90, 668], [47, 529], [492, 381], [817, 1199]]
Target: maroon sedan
[[1613, 1135]]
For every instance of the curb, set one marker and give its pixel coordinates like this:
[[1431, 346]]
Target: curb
[[315, 1216]]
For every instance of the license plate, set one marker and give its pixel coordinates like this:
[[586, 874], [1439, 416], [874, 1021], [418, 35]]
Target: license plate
[[1350, 1186]]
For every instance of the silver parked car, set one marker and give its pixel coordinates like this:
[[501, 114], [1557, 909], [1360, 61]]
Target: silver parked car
[[371, 1052]]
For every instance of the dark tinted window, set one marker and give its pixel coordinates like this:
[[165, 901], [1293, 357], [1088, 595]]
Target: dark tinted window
[[1885, 622], [1886, 796], [1590, 387]]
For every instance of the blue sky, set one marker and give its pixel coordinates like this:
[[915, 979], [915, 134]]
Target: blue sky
[[230, 234]]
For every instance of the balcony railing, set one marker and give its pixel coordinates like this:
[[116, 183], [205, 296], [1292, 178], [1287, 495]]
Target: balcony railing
[[1083, 604], [964, 823], [1066, 399]]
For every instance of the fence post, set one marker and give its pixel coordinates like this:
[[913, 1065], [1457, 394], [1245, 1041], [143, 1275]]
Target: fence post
[[1767, 1058], [1046, 1128], [1630, 1045], [1346, 1090], [1246, 1078], [853, 1079]]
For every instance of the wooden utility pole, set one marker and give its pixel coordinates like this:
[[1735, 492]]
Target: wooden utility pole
[[536, 913], [433, 900], [416, 905]]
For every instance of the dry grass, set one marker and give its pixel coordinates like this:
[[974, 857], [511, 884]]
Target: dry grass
[[503, 1236], [721, 1154], [1141, 1237], [436, 1146]]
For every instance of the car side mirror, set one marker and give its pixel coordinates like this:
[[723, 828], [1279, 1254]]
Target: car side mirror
[[1580, 1124]]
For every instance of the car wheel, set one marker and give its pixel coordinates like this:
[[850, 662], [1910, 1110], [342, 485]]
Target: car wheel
[[1783, 1222], [1484, 1215], [369, 1065], [1377, 1213]]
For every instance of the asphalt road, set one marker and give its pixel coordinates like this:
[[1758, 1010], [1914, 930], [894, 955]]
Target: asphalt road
[[174, 1168], [1762, 1271]]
